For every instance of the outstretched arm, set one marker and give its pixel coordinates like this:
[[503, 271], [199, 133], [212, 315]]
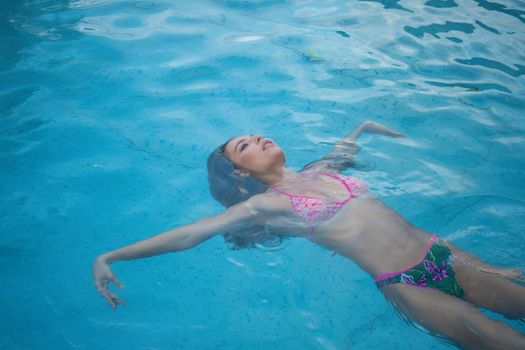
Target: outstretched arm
[[341, 156], [237, 217]]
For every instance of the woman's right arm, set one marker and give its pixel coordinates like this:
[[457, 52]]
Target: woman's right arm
[[341, 157], [237, 217]]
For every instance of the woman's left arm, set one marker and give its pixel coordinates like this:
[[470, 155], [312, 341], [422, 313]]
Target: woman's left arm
[[341, 156]]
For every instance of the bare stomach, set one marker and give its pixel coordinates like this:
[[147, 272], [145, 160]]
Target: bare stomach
[[374, 236]]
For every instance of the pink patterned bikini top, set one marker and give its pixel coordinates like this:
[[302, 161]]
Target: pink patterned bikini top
[[315, 211]]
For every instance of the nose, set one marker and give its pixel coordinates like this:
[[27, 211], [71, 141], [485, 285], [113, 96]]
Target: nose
[[257, 138]]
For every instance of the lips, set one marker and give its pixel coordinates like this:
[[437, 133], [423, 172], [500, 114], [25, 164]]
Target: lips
[[267, 144]]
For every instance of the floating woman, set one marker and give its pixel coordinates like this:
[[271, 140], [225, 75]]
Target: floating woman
[[427, 278]]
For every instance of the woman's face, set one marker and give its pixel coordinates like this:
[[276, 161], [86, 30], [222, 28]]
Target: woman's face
[[254, 154]]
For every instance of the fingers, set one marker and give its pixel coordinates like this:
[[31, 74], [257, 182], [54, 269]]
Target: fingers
[[112, 299], [116, 299], [117, 282], [101, 285]]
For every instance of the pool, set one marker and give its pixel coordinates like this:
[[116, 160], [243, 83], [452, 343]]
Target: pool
[[110, 108]]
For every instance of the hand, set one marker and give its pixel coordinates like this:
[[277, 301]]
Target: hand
[[102, 274], [377, 128]]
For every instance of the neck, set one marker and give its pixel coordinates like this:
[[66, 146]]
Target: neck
[[278, 177]]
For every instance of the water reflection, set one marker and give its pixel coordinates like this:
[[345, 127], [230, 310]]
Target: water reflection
[[434, 29], [391, 4], [125, 100], [488, 63], [495, 6]]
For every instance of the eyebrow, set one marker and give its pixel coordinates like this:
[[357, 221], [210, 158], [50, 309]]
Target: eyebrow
[[241, 140]]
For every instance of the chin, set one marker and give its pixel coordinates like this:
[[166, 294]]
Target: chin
[[278, 155]]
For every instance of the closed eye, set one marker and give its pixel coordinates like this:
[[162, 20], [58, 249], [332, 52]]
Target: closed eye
[[243, 147]]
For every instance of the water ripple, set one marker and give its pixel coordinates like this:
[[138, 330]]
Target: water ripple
[[391, 4], [109, 109], [434, 29], [488, 63], [495, 6]]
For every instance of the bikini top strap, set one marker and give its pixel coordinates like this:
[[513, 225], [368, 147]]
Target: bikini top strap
[[281, 191]]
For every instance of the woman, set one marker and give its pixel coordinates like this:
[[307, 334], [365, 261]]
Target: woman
[[428, 279]]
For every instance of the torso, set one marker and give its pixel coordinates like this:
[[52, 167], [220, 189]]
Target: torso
[[363, 229]]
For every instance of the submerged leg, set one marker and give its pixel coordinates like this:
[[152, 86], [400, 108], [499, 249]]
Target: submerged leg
[[455, 319]]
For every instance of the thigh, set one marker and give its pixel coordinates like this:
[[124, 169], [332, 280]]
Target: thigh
[[455, 319], [490, 291]]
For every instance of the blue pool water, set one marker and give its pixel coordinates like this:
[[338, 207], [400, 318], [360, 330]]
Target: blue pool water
[[108, 112]]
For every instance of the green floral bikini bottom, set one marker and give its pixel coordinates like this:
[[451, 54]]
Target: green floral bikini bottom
[[434, 271]]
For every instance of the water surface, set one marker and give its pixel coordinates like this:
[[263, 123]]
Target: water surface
[[109, 109]]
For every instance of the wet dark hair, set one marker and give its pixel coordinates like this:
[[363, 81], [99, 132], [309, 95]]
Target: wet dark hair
[[229, 189]]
